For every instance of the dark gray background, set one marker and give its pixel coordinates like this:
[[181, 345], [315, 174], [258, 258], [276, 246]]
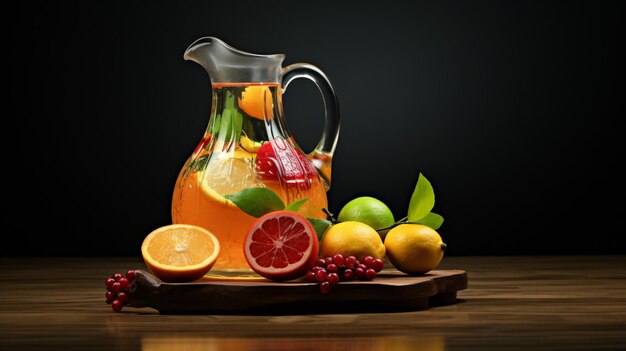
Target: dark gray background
[[512, 109]]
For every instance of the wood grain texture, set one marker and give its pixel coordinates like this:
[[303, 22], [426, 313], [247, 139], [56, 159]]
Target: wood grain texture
[[390, 291], [511, 303]]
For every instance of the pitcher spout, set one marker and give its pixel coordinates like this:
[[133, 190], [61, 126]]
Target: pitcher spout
[[225, 64]]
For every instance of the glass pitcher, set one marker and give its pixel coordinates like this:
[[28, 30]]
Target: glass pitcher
[[247, 144]]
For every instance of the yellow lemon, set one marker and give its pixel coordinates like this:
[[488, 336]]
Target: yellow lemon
[[414, 248], [352, 238]]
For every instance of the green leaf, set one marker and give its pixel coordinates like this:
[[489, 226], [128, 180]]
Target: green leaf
[[257, 201], [217, 122], [295, 206], [320, 226], [432, 220], [236, 121], [228, 125], [422, 200]]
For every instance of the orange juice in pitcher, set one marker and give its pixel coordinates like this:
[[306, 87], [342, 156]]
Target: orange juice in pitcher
[[247, 145]]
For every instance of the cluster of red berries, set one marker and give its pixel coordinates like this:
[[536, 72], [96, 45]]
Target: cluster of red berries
[[329, 271], [117, 289]]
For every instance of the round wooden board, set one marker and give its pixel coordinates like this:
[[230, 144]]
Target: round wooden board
[[390, 291]]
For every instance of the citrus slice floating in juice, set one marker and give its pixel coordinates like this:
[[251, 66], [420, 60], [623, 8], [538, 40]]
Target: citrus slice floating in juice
[[180, 252], [256, 101], [249, 145], [228, 173], [281, 245]]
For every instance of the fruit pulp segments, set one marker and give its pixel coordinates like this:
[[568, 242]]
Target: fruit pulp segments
[[279, 242], [175, 248]]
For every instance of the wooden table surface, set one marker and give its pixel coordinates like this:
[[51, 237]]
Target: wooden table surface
[[511, 303]]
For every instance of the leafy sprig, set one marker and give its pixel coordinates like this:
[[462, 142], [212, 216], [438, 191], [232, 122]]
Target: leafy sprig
[[420, 206], [259, 201]]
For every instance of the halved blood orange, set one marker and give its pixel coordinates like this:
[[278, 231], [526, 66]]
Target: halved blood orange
[[281, 245], [180, 252]]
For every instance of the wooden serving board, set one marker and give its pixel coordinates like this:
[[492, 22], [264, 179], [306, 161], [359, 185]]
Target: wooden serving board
[[390, 291]]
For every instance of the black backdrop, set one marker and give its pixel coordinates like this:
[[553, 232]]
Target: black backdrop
[[511, 108]]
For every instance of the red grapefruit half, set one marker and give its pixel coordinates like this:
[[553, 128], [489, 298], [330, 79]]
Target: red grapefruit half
[[281, 245]]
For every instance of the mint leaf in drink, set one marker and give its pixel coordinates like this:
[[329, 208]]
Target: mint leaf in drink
[[422, 200], [228, 125], [257, 201], [295, 206]]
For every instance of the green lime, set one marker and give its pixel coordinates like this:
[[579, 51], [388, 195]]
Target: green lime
[[368, 210]]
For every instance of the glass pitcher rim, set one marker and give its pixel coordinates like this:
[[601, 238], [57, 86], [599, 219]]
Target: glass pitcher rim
[[208, 39]]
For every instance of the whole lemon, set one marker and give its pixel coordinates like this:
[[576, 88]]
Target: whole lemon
[[352, 238], [368, 210], [414, 248]]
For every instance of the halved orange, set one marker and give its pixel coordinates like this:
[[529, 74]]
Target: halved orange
[[180, 252]]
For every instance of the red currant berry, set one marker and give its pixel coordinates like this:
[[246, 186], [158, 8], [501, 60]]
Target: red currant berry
[[116, 305], [320, 262], [370, 274], [348, 274], [109, 282], [378, 265], [115, 287], [350, 262], [316, 268], [333, 278], [328, 260], [362, 266], [338, 260], [117, 276], [367, 261], [359, 272], [332, 268], [321, 275], [130, 275], [110, 295], [123, 297], [125, 283], [310, 276], [325, 287]]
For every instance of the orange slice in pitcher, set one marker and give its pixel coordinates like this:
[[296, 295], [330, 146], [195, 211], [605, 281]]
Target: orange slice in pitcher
[[228, 173], [180, 252], [256, 101]]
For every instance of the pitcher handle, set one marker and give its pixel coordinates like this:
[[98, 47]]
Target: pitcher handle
[[322, 155]]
